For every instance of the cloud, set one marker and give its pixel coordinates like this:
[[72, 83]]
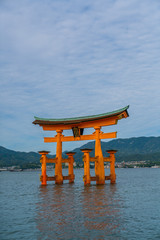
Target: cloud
[[73, 58]]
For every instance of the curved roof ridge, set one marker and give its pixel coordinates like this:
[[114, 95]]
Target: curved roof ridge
[[81, 118]]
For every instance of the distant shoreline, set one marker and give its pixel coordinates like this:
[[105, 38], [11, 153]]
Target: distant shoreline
[[39, 169]]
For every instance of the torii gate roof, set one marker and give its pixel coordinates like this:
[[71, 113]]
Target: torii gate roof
[[120, 113]]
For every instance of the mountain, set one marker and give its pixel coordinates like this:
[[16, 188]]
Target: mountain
[[131, 149], [13, 158]]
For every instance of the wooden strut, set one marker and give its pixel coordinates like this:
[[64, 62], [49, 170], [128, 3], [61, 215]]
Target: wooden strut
[[98, 159], [99, 174], [81, 138], [87, 159], [44, 160]]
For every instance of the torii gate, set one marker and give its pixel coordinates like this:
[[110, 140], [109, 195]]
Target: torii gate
[[77, 125]]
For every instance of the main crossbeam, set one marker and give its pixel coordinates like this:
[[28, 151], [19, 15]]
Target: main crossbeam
[[81, 138]]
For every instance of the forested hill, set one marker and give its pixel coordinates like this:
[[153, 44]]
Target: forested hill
[[131, 149], [13, 158]]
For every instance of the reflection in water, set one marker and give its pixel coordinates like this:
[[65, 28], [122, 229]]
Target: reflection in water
[[78, 212], [100, 210], [128, 210]]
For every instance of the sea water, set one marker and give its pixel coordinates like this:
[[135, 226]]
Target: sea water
[[129, 209]]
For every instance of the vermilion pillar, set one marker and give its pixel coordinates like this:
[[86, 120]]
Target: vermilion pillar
[[87, 179], [99, 164], [43, 167], [70, 166], [112, 165], [58, 166]]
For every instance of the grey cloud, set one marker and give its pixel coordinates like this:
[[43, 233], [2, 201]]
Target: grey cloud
[[70, 58]]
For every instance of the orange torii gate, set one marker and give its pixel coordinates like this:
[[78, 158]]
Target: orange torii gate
[[77, 125]]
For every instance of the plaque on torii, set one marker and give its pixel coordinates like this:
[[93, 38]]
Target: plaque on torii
[[77, 125]]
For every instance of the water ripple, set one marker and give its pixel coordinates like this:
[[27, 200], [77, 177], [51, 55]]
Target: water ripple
[[129, 209]]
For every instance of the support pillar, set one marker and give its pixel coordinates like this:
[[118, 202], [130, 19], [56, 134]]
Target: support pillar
[[112, 165], [87, 179], [99, 164], [70, 166], [43, 167], [58, 165]]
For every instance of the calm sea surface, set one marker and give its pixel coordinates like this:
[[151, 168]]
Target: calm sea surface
[[130, 209]]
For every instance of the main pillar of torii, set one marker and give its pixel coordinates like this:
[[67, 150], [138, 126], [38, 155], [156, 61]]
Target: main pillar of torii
[[77, 125]]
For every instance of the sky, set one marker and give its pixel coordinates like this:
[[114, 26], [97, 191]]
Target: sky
[[65, 58]]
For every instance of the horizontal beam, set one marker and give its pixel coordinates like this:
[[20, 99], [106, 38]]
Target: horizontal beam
[[51, 160], [93, 178], [54, 160], [51, 178], [107, 177], [96, 178], [54, 178], [93, 159], [66, 177], [65, 160], [81, 138], [88, 124], [107, 159], [108, 135]]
